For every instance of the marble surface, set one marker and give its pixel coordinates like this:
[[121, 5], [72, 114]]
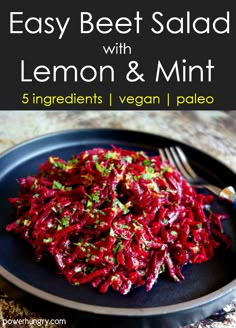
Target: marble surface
[[211, 131]]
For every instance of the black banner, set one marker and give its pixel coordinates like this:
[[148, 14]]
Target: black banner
[[117, 55]]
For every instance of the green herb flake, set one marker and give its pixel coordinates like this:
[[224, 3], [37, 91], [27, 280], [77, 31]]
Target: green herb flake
[[166, 169], [76, 283], [150, 170], [109, 169], [110, 155], [124, 226], [26, 222], [51, 160], [165, 221], [56, 163], [96, 210], [95, 197], [53, 208], [74, 161], [47, 240], [35, 184], [112, 233], [89, 204], [79, 243], [95, 158], [57, 185], [104, 170], [195, 249], [99, 168], [35, 196], [128, 159], [162, 269], [110, 259], [118, 203], [65, 221], [118, 247], [150, 173], [174, 233], [128, 177], [78, 269], [153, 186], [60, 165], [114, 278], [144, 215], [90, 214], [146, 162], [59, 208]]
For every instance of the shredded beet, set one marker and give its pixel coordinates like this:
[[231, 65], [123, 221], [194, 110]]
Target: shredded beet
[[116, 218]]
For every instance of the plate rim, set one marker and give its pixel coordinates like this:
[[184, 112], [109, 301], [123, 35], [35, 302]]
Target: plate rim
[[76, 130], [106, 310]]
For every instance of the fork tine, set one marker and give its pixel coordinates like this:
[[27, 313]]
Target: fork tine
[[162, 154], [169, 156], [179, 164], [177, 158], [184, 160], [165, 155]]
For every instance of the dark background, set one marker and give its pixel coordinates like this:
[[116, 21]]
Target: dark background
[[147, 48]]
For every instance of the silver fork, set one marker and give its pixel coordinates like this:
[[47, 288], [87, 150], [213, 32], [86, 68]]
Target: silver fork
[[177, 158]]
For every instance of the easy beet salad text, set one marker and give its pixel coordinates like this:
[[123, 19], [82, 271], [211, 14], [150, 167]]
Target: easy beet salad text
[[115, 218]]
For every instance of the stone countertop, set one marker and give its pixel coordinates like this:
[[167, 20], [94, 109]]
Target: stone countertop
[[210, 131]]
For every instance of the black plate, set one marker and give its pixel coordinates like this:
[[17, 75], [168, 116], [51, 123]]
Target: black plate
[[207, 286]]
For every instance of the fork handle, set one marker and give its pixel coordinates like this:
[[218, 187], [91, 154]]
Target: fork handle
[[229, 194]]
